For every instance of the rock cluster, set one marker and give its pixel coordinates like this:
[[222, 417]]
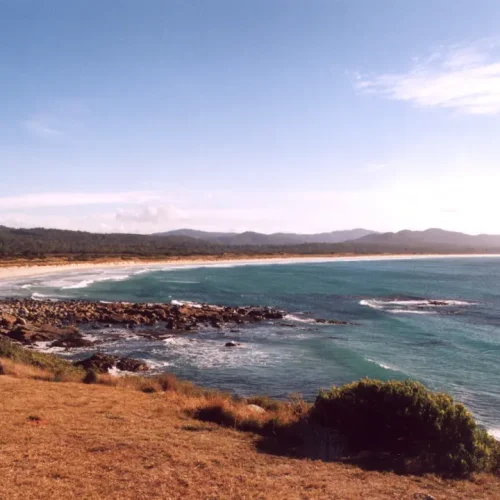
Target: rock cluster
[[102, 363], [29, 321], [175, 317]]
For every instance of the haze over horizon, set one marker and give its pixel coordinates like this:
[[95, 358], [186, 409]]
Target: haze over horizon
[[269, 116]]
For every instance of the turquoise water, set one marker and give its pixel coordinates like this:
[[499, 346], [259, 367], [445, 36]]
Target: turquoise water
[[451, 345]]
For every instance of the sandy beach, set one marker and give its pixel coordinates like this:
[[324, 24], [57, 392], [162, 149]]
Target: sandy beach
[[35, 269]]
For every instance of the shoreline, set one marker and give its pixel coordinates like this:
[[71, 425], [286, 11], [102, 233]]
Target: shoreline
[[27, 269]]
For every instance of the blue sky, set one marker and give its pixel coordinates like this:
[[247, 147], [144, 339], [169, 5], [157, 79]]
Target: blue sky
[[267, 115]]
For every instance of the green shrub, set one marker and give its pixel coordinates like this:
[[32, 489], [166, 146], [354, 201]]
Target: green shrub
[[407, 420], [217, 414], [91, 377]]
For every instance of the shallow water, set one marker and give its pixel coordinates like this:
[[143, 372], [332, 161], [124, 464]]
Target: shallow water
[[435, 320]]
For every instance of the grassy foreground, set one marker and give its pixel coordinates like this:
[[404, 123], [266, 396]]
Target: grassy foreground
[[139, 438]]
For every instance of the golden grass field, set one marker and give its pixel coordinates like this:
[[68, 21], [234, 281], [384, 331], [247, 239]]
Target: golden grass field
[[111, 440]]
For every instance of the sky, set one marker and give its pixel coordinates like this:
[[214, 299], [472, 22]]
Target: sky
[[264, 115]]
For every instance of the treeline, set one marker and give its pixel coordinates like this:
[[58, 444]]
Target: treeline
[[42, 243]]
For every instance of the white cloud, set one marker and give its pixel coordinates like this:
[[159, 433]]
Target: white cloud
[[464, 78], [464, 200], [57, 199], [42, 128], [151, 215]]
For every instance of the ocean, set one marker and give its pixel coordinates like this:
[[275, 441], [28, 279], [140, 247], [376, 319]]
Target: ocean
[[432, 320]]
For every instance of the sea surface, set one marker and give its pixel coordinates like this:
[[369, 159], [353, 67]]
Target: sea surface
[[435, 320]]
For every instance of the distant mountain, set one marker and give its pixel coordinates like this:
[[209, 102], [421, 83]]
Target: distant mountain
[[431, 238], [253, 238]]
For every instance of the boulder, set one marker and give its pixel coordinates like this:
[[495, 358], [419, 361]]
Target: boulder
[[232, 344], [7, 320], [131, 365], [98, 362], [73, 340], [256, 408], [30, 333]]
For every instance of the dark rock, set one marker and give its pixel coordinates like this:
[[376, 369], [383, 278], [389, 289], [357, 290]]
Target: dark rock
[[102, 363], [99, 362], [73, 340], [131, 365], [232, 344], [30, 333]]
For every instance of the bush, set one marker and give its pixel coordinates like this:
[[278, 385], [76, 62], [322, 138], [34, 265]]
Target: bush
[[91, 377], [406, 419]]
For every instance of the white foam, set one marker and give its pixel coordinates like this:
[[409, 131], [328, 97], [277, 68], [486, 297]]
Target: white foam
[[115, 372], [186, 303], [495, 433], [384, 365], [291, 317], [182, 282], [88, 282], [204, 353], [156, 365], [44, 346], [408, 311], [412, 306]]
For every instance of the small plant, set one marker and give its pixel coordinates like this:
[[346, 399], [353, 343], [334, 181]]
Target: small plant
[[91, 377]]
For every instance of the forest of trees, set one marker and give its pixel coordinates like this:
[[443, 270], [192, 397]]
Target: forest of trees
[[42, 243]]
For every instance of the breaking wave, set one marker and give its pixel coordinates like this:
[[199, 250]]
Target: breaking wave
[[385, 366], [298, 319], [413, 306]]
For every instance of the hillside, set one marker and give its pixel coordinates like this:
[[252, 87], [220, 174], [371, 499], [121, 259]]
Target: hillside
[[432, 238], [254, 238], [43, 243], [63, 440]]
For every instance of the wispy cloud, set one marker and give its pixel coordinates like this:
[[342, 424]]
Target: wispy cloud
[[464, 78], [42, 200], [42, 128], [151, 215], [55, 119]]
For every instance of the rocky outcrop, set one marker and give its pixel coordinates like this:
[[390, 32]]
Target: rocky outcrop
[[30, 321], [173, 317], [29, 333], [102, 363]]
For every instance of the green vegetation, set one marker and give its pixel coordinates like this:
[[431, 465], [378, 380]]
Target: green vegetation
[[59, 367], [407, 420], [39, 243]]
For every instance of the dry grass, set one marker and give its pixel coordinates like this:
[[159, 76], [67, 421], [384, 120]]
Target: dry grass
[[114, 440]]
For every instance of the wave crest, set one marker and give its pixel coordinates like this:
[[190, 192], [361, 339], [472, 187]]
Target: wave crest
[[413, 306]]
